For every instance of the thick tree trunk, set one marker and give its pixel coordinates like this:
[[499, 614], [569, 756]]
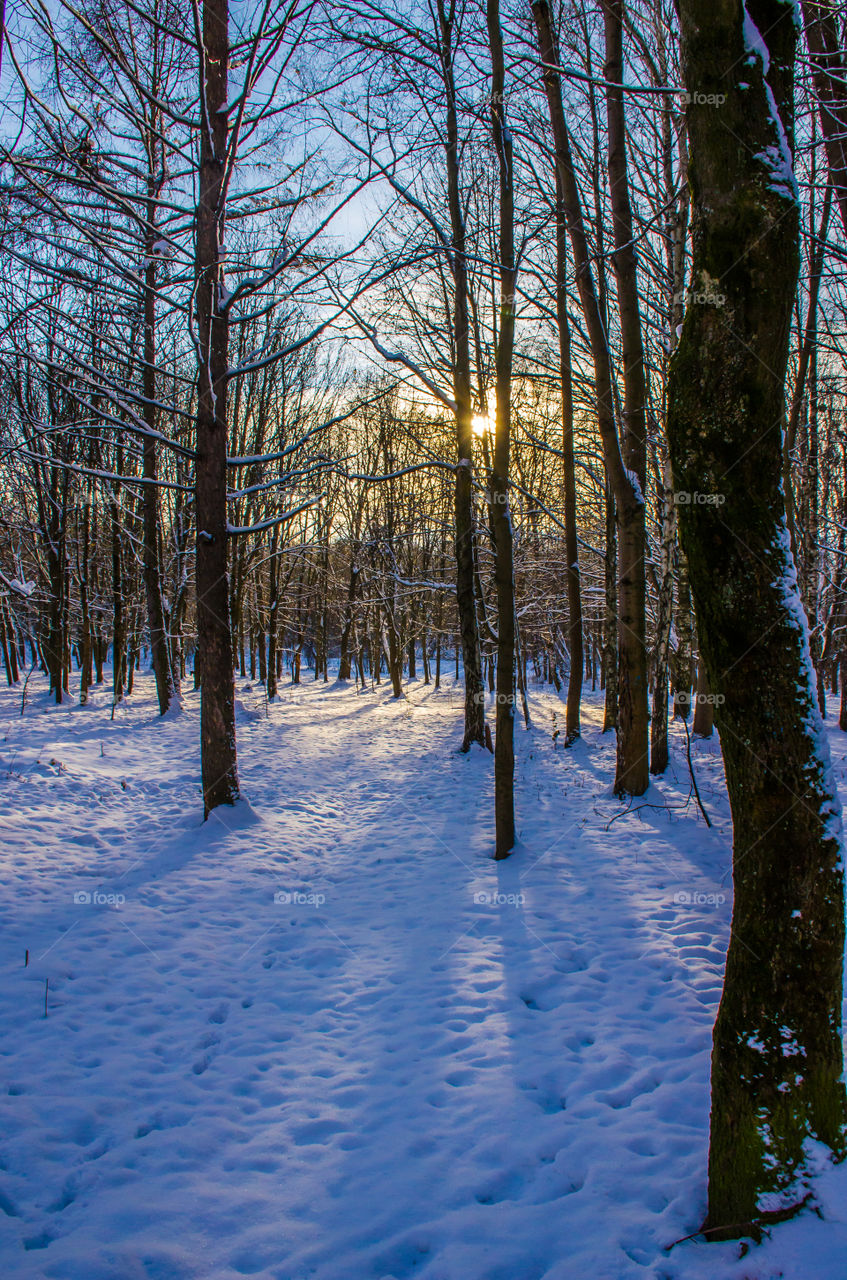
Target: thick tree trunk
[[504, 573], [268, 658], [119, 627], [160, 655], [395, 651], [777, 1056], [465, 531], [633, 717], [575, 645], [85, 621], [610, 629], [214, 634]]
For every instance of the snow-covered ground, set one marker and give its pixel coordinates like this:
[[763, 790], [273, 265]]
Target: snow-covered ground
[[325, 1036]]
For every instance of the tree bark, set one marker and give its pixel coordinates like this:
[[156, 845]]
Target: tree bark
[[150, 494], [344, 665], [575, 642], [119, 627], [214, 633], [659, 720], [610, 602], [504, 573], [704, 708], [464, 516], [683, 661], [777, 1056], [633, 716]]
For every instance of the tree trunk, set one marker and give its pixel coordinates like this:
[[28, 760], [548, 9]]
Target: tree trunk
[[119, 628], [269, 662], [610, 634], [160, 655], [13, 642], [464, 517], [214, 633], [683, 662], [85, 621], [504, 574], [777, 1055], [633, 717], [344, 661], [575, 645], [704, 707], [659, 721]]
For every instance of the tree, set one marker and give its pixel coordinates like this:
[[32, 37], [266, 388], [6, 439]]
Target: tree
[[214, 633], [777, 1057], [504, 746]]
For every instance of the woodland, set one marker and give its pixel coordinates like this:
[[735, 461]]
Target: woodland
[[390, 349]]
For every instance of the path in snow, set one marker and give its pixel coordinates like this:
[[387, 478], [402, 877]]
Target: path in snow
[[324, 1035]]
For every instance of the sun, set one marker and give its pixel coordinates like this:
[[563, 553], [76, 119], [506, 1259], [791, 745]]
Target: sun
[[480, 425]]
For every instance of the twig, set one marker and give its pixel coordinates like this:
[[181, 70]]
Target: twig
[[691, 771], [26, 682]]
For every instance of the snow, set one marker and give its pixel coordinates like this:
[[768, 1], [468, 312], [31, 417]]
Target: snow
[[325, 1035], [754, 44], [636, 486], [19, 586], [787, 584], [777, 157]]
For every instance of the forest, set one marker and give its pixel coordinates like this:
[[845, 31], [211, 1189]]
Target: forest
[[423, 615]]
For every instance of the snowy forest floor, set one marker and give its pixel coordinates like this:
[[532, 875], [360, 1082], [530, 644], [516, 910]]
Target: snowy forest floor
[[325, 1036]]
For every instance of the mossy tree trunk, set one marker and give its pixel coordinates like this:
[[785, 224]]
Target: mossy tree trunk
[[777, 1058]]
